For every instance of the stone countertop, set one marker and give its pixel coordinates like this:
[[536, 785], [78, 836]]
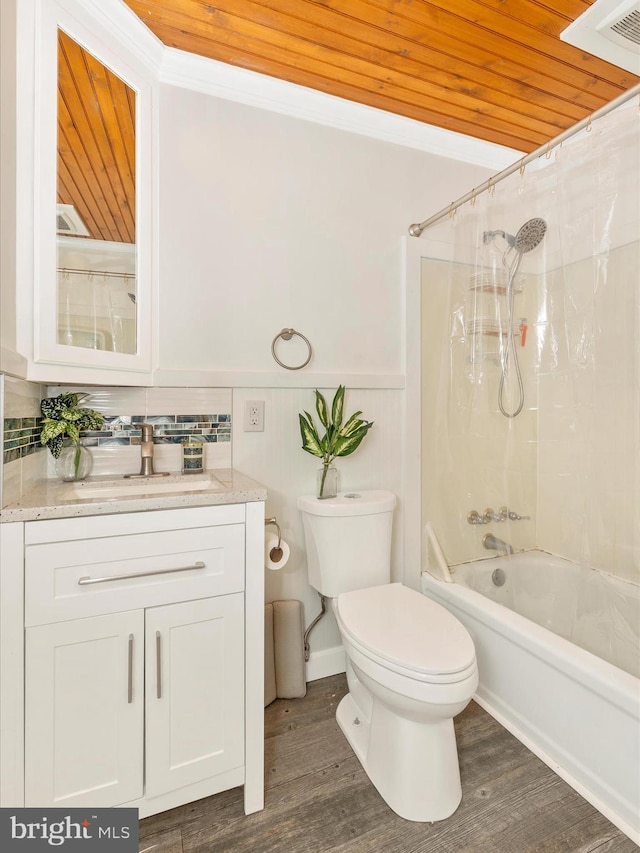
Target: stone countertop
[[51, 498]]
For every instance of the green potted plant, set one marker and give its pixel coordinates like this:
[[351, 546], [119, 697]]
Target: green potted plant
[[63, 418], [338, 440]]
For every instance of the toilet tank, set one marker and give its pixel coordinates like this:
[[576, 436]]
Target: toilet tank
[[348, 540]]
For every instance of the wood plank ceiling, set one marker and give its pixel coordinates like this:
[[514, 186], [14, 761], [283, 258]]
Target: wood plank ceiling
[[96, 143], [492, 69]]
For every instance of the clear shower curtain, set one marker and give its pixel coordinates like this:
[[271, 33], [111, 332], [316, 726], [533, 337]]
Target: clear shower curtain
[[568, 464]]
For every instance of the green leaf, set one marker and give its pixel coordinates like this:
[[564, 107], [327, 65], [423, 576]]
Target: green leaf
[[337, 406], [51, 429], [89, 419], [322, 410], [310, 440], [353, 423], [62, 417], [338, 440], [55, 407], [55, 446], [346, 444]]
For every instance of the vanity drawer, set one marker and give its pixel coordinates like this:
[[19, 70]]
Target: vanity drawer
[[89, 577]]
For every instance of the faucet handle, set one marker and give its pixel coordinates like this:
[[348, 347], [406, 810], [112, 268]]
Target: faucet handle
[[474, 517], [490, 515], [512, 516]]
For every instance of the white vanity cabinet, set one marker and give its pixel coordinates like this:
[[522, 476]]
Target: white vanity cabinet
[[142, 658]]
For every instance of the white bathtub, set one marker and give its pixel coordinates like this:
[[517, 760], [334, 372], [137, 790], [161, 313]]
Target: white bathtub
[[576, 711]]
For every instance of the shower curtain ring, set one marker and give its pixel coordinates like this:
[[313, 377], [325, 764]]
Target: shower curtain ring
[[588, 127], [522, 164]]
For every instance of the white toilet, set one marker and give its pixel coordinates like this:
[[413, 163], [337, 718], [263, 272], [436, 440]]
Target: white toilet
[[411, 665]]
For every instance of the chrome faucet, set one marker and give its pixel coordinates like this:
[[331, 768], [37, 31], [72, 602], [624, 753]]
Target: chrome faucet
[[492, 543], [146, 450]]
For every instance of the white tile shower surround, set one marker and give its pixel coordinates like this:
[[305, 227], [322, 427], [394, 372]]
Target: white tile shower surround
[[571, 460]]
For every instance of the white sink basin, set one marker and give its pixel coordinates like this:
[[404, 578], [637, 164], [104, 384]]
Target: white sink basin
[[121, 488]]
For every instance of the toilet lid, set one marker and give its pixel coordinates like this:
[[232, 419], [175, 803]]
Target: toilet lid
[[407, 629]]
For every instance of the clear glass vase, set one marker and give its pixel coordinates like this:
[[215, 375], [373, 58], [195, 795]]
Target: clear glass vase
[[74, 463], [327, 482]]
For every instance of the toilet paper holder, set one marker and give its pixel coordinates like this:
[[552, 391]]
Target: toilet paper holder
[[275, 554]]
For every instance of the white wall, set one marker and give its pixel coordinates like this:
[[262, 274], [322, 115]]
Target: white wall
[[8, 145], [269, 221], [275, 458]]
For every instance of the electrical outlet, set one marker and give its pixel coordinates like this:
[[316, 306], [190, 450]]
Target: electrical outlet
[[254, 416]]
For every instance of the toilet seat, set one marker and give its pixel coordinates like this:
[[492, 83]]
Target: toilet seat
[[406, 632]]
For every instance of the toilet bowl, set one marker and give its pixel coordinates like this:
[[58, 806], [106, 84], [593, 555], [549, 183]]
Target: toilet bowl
[[410, 668], [411, 665]]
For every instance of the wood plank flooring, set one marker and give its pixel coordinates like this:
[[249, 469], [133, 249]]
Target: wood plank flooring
[[319, 799]]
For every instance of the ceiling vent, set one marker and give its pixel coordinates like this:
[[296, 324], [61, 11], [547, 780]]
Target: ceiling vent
[[609, 29], [69, 221]]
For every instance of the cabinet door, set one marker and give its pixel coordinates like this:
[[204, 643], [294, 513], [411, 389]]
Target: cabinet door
[[195, 691], [84, 711]]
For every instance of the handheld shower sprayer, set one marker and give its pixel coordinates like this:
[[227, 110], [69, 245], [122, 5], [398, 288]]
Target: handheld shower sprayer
[[525, 240]]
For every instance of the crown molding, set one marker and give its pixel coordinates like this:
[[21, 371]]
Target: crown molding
[[211, 77], [199, 74], [116, 19]]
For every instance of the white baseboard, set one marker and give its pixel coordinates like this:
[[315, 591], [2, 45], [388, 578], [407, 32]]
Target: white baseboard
[[324, 663]]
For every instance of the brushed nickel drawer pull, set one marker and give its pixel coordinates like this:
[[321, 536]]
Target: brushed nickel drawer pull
[[158, 665], [130, 671], [85, 581]]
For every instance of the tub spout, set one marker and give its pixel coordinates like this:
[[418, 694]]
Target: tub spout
[[492, 543]]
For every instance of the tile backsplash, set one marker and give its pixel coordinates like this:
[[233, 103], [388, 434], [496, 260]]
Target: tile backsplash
[[167, 429], [176, 414], [21, 437], [24, 459]]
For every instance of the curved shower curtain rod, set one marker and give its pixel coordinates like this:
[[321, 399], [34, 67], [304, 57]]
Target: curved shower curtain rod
[[416, 229]]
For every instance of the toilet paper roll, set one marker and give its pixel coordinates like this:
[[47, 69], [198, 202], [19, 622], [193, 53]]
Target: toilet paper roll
[[273, 559]]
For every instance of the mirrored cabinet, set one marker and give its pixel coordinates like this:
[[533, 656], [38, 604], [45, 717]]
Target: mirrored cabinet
[[84, 245], [96, 203]]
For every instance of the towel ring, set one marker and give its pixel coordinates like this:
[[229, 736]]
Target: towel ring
[[286, 335]]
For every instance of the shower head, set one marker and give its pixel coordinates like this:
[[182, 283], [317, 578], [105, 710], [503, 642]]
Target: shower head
[[527, 238], [530, 235]]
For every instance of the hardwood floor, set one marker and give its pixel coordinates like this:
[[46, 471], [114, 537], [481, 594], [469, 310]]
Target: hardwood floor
[[318, 798]]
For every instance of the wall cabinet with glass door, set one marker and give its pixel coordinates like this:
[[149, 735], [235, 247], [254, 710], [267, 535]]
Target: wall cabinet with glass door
[[87, 313]]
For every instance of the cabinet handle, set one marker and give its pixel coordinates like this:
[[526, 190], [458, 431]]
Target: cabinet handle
[[158, 665], [85, 581], [130, 671]]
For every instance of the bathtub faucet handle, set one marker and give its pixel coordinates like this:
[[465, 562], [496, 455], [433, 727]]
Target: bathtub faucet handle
[[490, 515], [474, 517], [512, 516]]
